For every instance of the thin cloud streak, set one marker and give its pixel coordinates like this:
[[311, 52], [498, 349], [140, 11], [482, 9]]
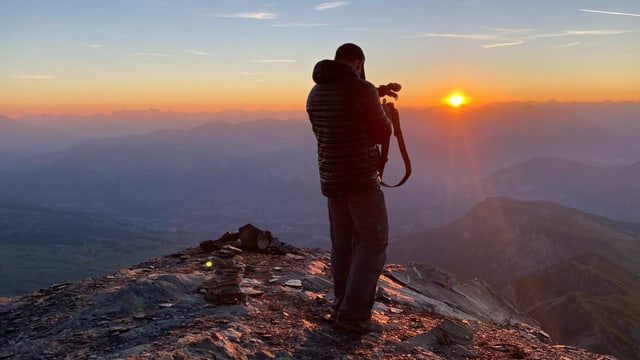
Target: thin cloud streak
[[200, 53], [596, 32], [454, 36], [518, 42], [581, 33], [252, 15], [568, 45], [33, 77], [609, 12], [511, 31], [510, 37], [95, 46], [331, 5]]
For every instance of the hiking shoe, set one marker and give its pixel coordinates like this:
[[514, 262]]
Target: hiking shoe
[[361, 327], [331, 312], [329, 315]]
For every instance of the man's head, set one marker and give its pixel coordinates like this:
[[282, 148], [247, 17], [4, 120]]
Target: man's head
[[353, 55]]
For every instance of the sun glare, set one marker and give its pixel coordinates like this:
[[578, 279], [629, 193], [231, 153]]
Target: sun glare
[[456, 99]]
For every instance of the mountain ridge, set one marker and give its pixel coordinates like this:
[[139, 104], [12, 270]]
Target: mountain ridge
[[519, 231], [587, 301], [156, 309], [533, 252]]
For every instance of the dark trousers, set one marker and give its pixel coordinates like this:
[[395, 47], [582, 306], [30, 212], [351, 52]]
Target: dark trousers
[[359, 237]]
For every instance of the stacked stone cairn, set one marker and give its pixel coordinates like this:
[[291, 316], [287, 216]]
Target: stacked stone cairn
[[224, 287]]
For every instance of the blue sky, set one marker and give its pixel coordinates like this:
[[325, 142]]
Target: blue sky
[[199, 55]]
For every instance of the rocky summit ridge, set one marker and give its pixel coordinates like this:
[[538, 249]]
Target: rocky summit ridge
[[163, 309]]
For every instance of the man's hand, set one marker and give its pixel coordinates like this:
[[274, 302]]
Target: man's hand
[[390, 110]]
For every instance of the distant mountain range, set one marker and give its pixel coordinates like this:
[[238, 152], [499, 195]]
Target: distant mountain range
[[476, 141], [19, 141], [204, 177], [502, 239], [452, 151], [40, 246], [138, 122], [622, 117], [612, 191], [540, 254], [32, 135]]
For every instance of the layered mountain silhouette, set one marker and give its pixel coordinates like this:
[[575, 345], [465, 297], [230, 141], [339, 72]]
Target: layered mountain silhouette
[[138, 122], [501, 239], [485, 139], [621, 117], [203, 178], [452, 150], [506, 241], [20, 141], [267, 169], [612, 191], [157, 310]]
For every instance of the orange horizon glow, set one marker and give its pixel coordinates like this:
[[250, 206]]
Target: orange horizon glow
[[194, 104], [282, 91], [91, 103]]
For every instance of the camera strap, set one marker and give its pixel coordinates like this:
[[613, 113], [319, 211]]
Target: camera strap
[[384, 151]]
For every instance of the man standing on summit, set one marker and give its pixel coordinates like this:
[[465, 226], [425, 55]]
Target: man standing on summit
[[348, 121]]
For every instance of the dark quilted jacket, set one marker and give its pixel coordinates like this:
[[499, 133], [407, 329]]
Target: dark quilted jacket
[[348, 121]]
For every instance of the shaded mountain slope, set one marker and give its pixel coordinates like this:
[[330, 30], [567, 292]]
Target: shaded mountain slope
[[588, 301], [582, 299], [155, 310], [501, 239]]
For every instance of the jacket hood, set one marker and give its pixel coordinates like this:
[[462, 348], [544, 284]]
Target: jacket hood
[[331, 71]]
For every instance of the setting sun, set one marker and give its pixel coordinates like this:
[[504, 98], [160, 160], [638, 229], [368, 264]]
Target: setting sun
[[456, 99]]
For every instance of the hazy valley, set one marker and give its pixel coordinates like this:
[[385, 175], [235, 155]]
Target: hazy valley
[[40, 246], [522, 195]]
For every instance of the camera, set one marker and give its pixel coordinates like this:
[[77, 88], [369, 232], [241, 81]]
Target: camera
[[389, 90]]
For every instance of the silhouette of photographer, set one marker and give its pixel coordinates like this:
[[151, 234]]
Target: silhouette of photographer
[[349, 122]]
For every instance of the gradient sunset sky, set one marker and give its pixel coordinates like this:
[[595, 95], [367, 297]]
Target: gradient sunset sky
[[84, 56]]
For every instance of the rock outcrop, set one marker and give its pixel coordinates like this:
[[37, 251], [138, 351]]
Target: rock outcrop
[[158, 310]]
